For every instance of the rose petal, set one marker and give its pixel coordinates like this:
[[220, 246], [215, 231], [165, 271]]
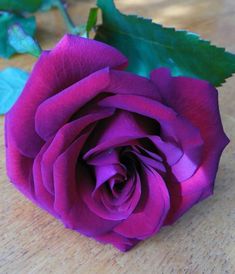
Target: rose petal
[[141, 105], [147, 220], [123, 82], [19, 170], [120, 128], [54, 112], [120, 242], [196, 100], [20, 118], [127, 198], [63, 139], [172, 152], [147, 161], [121, 124], [107, 157], [183, 165], [153, 155], [198, 187], [104, 173], [173, 128], [110, 144], [68, 201], [103, 207], [119, 197], [44, 198]]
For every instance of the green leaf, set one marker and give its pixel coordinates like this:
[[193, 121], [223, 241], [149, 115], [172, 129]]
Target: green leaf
[[12, 82], [6, 21], [20, 5], [148, 46], [22, 42], [92, 20]]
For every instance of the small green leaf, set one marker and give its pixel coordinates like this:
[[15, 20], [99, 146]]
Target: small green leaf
[[148, 46], [6, 21], [12, 82], [92, 20], [22, 42], [20, 5]]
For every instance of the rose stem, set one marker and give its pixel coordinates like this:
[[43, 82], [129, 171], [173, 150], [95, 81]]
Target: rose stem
[[67, 19]]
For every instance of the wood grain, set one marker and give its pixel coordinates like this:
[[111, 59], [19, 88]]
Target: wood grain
[[202, 241]]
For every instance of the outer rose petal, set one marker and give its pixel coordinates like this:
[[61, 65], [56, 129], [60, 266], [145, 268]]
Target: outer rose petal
[[19, 167], [183, 196], [196, 100], [44, 198], [120, 242], [70, 61]]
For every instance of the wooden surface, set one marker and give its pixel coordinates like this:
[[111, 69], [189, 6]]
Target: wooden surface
[[202, 241]]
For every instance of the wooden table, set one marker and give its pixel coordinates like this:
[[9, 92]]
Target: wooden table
[[202, 241]]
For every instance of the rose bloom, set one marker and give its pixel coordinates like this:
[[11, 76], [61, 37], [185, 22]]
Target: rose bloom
[[113, 155]]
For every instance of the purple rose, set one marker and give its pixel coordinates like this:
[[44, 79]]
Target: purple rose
[[113, 155]]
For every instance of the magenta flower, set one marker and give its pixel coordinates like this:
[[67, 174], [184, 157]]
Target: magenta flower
[[113, 155]]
